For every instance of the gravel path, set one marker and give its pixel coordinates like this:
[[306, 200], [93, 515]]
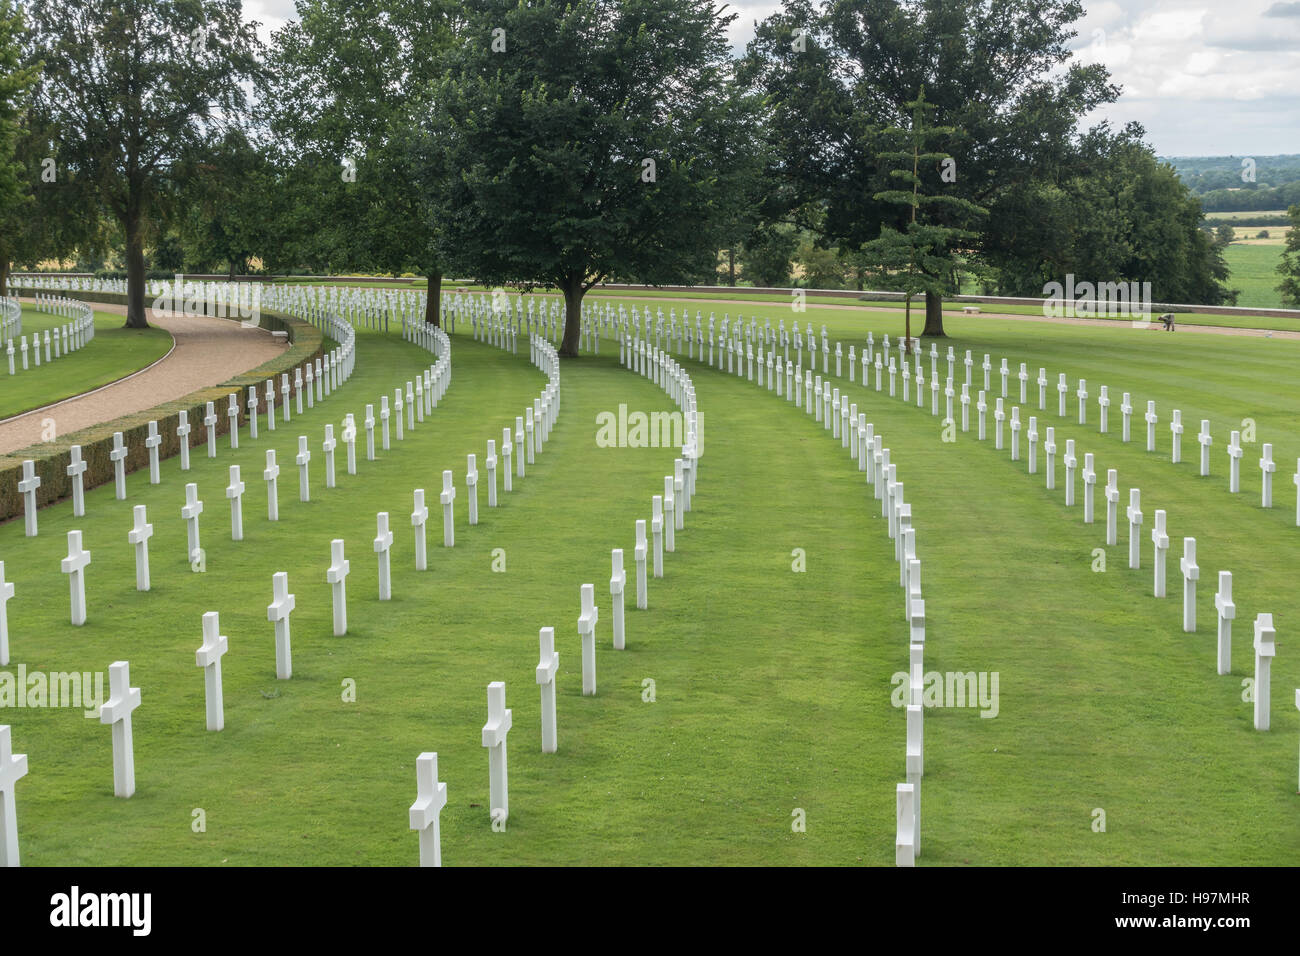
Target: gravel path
[[207, 352]]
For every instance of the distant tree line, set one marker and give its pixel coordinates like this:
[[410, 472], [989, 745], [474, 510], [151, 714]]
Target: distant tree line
[[562, 143]]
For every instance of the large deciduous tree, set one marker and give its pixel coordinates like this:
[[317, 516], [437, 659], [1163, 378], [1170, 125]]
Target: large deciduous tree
[[1120, 216], [997, 71], [16, 79], [589, 139], [341, 94], [131, 88]]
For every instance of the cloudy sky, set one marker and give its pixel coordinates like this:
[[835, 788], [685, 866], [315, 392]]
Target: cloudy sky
[[1204, 77]]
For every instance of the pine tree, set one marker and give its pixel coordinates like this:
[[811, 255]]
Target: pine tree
[[924, 256]]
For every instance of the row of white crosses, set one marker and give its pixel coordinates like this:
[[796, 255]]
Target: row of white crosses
[[1235, 451], [1264, 644], [679, 487], [58, 342], [11, 318], [841, 419], [139, 535], [541, 416], [532, 431], [331, 371], [124, 699], [913, 371]]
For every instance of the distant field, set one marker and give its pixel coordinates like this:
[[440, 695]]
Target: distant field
[[1254, 272], [1244, 214], [1276, 235]]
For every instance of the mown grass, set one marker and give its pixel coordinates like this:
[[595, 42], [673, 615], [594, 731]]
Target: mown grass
[[113, 353], [772, 687], [1253, 269]]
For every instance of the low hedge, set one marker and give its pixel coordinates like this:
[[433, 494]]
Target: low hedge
[[307, 343]]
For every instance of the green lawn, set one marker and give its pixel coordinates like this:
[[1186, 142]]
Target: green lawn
[[772, 687], [1254, 272], [113, 353]]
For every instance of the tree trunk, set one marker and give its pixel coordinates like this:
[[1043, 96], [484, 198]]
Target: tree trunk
[[4, 276], [731, 267], [135, 316], [933, 316], [433, 307], [573, 293], [907, 324]]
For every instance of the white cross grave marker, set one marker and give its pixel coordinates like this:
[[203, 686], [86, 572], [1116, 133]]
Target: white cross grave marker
[[76, 469], [118, 457], [657, 530], [419, 517], [639, 556], [1071, 463], [303, 460], [208, 656], [337, 576], [617, 585], [1265, 649], [1235, 451], [277, 612], [271, 475], [1206, 441], [235, 492], [232, 415], [6, 593], [183, 437], [448, 499], [190, 511], [74, 565], [383, 546], [1191, 574], [495, 732], [210, 422], [1267, 467], [904, 827], [139, 536], [471, 484], [27, 488], [328, 447], [547, 666], [1049, 450], [507, 449], [13, 767], [1089, 483], [117, 710], [1160, 539], [587, 632], [1134, 514], [1226, 611], [431, 797]]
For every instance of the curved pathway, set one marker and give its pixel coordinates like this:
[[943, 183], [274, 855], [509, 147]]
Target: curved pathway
[[207, 352]]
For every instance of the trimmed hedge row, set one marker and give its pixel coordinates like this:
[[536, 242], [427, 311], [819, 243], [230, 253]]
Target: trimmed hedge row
[[307, 343]]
